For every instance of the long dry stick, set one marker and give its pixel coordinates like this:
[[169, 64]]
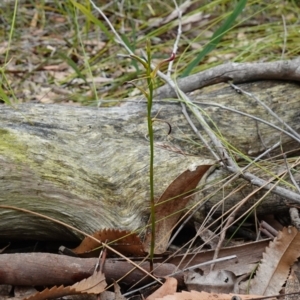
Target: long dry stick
[[236, 73]]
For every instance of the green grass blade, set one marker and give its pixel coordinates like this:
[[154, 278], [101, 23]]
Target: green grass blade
[[218, 34], [72, 64], [3, 96], [91, 18], [132, 48]]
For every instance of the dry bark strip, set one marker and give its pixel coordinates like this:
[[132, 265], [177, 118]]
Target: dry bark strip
[[89, 167], [237, 73]]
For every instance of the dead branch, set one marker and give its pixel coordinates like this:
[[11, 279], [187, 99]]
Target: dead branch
[[236, 73], [52, 269]]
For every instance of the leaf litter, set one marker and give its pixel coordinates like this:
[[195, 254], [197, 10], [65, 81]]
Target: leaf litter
[[94, 284], [269, 278], [123, 241], [277, 261]]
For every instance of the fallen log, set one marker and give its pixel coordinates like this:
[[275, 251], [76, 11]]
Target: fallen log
[[89, 167], [83, 166]]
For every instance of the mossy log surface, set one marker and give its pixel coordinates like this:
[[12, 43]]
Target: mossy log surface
[[89, 167]]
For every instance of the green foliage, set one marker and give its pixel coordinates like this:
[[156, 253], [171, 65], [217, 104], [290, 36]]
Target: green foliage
[[224, 30], [3, 94], [217, 36], [86, 10]]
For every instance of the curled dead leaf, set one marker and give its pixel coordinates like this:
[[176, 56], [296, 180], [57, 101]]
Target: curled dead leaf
[[123, 241], [168, 288], [169, 207]]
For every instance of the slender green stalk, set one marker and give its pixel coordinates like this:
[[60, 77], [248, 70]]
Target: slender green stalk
[[151, 140], [151, 74], [11, 32]]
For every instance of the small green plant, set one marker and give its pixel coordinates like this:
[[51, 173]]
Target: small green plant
[[150, 77]]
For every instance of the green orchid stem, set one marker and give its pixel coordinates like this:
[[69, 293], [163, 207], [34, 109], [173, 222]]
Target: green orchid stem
[[151, 174], [151, 74], [151, 140]]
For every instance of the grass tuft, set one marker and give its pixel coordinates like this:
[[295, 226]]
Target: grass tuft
[[64, 52]]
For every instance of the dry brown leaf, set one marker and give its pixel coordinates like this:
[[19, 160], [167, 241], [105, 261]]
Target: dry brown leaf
[[193, 295], [35, 18], [276, 263], [54, 292], [94, 284], [121, 240], [221, 281], [168, 288], [106, 295], [172, 201], [118, 294]]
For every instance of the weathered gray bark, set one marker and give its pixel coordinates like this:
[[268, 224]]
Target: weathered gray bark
[[85, 166], [89, 167]]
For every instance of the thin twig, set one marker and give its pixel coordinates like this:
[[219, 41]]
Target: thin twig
[[200, 204], [179, 31], [268, 230], [187, 269], [209, 262], [291, 175], [230, 220], [197, 132]]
